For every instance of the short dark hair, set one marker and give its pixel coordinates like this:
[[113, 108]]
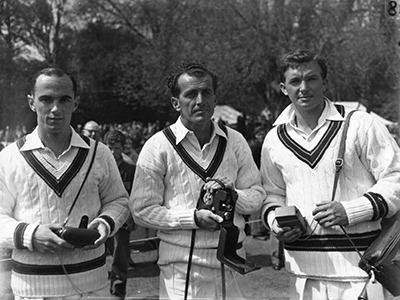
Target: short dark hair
[[52, 71], [294, 58], [195, 69], [114, 136]]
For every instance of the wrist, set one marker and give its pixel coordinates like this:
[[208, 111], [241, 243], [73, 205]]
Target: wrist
[[196, 220]]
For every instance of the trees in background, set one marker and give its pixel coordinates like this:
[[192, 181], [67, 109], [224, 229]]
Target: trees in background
[[122, 51]]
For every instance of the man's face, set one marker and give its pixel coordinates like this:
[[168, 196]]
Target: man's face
[[196, 101], [54, 102], [92, 131], [305, 87], [116, 150]]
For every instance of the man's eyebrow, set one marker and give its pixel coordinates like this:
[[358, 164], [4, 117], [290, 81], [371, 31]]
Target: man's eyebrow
[[45, 96], [51, 96]]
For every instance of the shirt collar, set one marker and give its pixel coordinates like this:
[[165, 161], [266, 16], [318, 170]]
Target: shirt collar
[[33, 141], [330, 113], [181, 131]]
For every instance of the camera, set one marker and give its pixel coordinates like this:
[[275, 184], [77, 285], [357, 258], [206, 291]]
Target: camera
[[222, 202], [290, 216], [78, 236]]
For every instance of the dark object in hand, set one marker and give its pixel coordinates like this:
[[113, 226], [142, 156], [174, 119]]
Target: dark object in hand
[[222, 202], [290, 216], [78, 236], [382, 258]]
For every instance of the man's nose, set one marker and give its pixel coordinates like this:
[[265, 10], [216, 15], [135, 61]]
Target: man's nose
[[56, 106], [303, 85], [199, 98]]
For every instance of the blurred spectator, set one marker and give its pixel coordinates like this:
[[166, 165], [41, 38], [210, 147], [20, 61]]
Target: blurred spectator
[[129, 150], [92, 130], [119, 245], [257, 229]]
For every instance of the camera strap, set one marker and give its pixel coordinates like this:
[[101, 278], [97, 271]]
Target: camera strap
[[340, 158], [339, 164], [203, 174], [83, 183]]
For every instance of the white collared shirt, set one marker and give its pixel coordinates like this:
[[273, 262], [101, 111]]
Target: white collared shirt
[[189, 141], [329, 113], [55, 164]]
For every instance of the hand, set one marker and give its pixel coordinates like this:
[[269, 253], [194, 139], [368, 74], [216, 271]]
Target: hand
[[285, 234], [45, 240], [210, 186], [329, 214], [207, 220], [102, 229]]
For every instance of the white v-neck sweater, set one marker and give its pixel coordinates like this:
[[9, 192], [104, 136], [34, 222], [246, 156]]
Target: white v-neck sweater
[[166, 191], [28, 199], [296, 171]]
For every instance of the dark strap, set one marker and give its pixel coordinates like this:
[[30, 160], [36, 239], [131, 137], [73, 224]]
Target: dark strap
[[83, 182], [339, 164], [223, 285], [340, 159], [192, 240]]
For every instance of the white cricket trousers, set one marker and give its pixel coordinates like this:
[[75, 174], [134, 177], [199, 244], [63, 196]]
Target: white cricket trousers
[[313, 289], [102, 294], [204, 283]]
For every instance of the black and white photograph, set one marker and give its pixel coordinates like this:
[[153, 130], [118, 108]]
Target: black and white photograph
[[200, 149]]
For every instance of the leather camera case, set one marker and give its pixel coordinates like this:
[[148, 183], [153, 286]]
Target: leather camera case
[[78, 237], [290, 216], [383, 255]]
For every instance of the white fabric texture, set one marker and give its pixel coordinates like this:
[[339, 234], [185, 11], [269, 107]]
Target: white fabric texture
[[205, 283], [306, 289], [166, 191], [371, 165], [26, 197]]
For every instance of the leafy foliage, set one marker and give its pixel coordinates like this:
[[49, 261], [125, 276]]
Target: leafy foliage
[[122, 51]]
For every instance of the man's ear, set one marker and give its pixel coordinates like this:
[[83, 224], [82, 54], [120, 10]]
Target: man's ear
[[175, 103], [283, 88], [325, 84], [30, 99], [77, 100]]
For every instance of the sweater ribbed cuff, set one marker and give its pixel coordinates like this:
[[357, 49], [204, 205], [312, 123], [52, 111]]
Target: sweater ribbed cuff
[[358, 210], [268, 215], [28, 235], [379, 205], [19, 235], [196, 220], [186, 219]]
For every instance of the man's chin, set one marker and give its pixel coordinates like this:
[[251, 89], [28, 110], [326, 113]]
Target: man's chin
[[201, 119], [53, 129]]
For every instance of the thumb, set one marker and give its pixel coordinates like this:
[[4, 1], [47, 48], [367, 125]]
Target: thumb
[[94, 224], [216, 218]]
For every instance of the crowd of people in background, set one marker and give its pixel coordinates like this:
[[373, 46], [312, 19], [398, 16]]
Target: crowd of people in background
[[137, 133]]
